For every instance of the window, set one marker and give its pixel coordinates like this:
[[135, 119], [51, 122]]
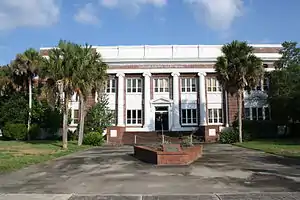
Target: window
[[113, 119], [75, 116], [134, 117], [263, 85], [189, 116], [257, 113], [247, 113], [161, 85], [134, 85], [215, 116], [213, 85], [188, 84], [111, 86]]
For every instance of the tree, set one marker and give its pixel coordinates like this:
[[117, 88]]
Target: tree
[[238, 69], [60, 70], [284, 95], [24, 68]]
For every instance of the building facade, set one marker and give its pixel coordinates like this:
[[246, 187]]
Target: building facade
[[173, 88]]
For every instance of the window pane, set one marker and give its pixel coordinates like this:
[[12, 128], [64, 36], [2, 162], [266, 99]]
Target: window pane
[[188, 85], [215, 115], [260, 113], [254, 114], [183, 115], [210, 116], [128, 116], [189, 115], [193, 85], [194, 116], [220, 116], [267, 113], [209, 85], [183, 85], [128, 85], [247, 113]]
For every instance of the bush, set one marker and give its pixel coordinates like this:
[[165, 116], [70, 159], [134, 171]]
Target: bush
[[93, 138], [229, 135], [72, 135], [34, 131], [258, 129], [15, 131]]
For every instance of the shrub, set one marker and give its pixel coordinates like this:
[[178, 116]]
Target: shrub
[[72, 135], [15, 131], [229, 135], [93, 138], [34, 131]]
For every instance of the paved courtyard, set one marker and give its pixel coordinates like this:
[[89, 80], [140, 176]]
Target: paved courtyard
[[224, 170]]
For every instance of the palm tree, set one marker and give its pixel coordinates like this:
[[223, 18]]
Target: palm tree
[[238, 69], [24, 68], [91, 73], [60, 70]]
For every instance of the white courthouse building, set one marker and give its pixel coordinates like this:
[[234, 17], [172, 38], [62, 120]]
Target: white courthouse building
[[173, 87]]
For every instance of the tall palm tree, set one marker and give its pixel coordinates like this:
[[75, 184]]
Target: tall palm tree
[[90, 73], [24, 68], [60, 70], [238, 69]]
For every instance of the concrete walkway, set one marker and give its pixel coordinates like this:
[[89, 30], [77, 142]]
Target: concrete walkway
[[223, 169]]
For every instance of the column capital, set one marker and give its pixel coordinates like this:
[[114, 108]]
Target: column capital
[[201, 74], [120, 74], [147, 74], [175, 74]]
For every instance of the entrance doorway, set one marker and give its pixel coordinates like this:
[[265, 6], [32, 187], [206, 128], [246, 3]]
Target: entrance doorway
[[161, 118]]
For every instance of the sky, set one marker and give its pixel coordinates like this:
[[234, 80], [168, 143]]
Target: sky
[[42, 23]]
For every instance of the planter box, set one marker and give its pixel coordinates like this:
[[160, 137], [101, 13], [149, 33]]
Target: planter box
[[186, 156]]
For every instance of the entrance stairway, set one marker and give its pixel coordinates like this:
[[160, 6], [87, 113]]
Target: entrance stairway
[[131, 138]]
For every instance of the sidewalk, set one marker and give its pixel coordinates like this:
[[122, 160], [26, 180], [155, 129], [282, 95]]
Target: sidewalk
[[227, 196]]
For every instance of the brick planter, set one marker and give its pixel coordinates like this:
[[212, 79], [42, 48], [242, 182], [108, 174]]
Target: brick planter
[[151, 155]]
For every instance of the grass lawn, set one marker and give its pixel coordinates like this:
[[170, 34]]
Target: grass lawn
[[15, 154], [290, 148]]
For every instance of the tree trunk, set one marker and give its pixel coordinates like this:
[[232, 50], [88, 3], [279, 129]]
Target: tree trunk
[[240, 102], [81, 119], [30, 107], [65, 122]]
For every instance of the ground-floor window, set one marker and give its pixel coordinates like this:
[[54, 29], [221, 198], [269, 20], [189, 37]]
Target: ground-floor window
[[215, 116], [257, 113], [75, 117], [113, 119], [134, 117], [189, 116]]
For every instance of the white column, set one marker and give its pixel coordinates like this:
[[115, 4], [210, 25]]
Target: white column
[[176, 113], [202, 99], [120, 99], [147, 108]]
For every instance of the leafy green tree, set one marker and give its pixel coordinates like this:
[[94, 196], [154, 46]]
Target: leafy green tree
[[238, 69], [284, 92], [98, 117]]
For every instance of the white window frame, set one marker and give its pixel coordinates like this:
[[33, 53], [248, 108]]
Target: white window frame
[[251, 117], [134, 121], [211, 116], [194, 120], [136, 87], [73, 116], [187, 84], [111, 85], [213, 85], [113, 121], [161, 85]]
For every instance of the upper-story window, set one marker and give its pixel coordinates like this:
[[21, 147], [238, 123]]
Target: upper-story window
[[161, 85], [111, 85], [188, 85], [263, 85], [213, 85], [134, 85]]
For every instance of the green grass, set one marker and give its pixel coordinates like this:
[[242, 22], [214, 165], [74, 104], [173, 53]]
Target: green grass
[[16, 154], [289, 148]]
